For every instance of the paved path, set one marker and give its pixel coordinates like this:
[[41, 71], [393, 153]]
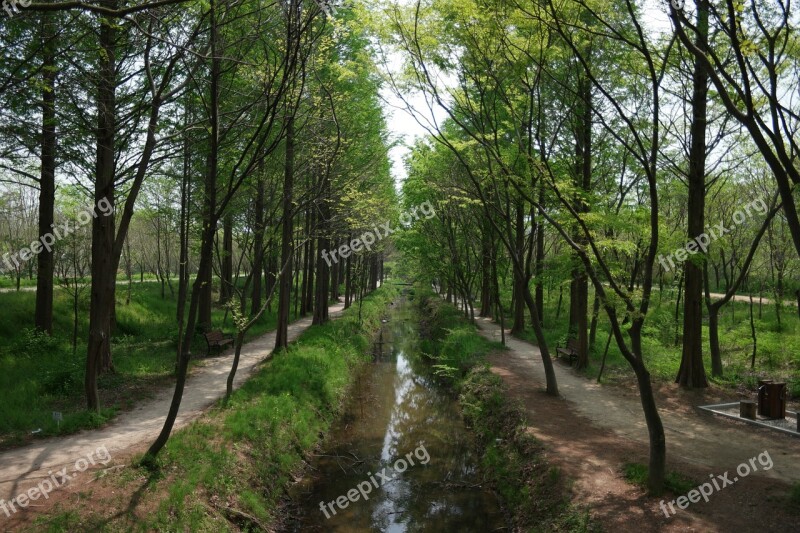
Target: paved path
[[693, 436], [23, 468]]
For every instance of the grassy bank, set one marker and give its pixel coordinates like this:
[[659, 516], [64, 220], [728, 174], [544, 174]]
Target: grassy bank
[[41, 374], [228, 470], [534, 494]]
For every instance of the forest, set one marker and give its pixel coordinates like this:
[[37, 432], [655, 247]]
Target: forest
[[419, 265]]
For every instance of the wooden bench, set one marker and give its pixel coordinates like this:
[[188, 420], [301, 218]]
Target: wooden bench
[[571, 351], [217, 339]]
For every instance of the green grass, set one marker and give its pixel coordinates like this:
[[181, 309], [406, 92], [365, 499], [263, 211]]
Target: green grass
[[778, 355], [794, 495], [242, 456], [675, 482], [40, 374], [534, 493], [450, 344]]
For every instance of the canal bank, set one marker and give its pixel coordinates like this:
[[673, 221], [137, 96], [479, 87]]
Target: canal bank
[[429, 397], [401, 457]]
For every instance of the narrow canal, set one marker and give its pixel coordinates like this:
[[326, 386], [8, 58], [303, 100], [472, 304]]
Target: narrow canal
[[400, 459]]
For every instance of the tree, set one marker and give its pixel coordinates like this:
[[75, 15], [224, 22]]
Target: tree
[[752, 58], [692, 372]]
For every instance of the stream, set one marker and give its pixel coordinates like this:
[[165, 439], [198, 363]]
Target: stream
[[400, 458]]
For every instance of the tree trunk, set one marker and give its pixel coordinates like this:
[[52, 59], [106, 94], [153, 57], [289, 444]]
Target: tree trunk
[[258, 247], [579, 295], [282, 330], [713, 341], [335, 274], [655, 430], [678, 308], [206, 245], [595, 317], [323, 270], [547, 362], [45, 261], [185, 217], [270, 273], [797, 294], [348, 282], [581, 331], [98, 353], [304, 267], [226, 274], [486, 271], [692, 373], [518, 325], [539, 262], [753, 334], [310, 276]]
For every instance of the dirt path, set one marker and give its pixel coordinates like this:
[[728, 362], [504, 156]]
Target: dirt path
[[592, 430], [746, 298], [33, 288], [23, 468]]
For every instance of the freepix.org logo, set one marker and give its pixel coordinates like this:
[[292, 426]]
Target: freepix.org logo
[[60, 231], [702, 241], [10, 6], [386, 475], [54, 481], [369, 238]]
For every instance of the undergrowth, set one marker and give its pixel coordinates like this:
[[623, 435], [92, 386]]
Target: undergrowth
[[535, 494]]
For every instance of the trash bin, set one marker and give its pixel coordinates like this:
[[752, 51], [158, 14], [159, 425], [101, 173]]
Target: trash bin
[[772, 399]]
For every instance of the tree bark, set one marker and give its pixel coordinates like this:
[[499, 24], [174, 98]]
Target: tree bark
[[226, 277], [518, 324], [579, 293], [692, 373], [285, 282], [486, 272], [323, 270], [47, 188], [258, 246], [98, 353], [348, 283]]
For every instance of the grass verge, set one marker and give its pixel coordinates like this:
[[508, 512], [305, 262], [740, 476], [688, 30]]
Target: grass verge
[[535, 494], [228, 470]]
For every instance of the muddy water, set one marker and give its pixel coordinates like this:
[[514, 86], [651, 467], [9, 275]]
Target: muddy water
[[403, 444]]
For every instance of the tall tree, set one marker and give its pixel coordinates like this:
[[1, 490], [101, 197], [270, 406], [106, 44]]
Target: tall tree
[[692, 372]]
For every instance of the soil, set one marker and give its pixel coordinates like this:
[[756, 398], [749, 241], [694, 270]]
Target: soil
[[591, 431]]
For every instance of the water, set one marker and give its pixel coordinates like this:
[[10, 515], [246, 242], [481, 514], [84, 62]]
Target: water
[[397, 417]]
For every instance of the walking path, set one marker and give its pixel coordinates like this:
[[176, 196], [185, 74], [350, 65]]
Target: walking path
[[746, 298], [592, 430], [120, 283], [23, 468]]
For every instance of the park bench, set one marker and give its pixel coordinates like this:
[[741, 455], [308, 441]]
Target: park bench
[[571, 351], [217, 339]]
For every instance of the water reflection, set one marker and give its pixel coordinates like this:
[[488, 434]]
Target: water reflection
[[393, 412]]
